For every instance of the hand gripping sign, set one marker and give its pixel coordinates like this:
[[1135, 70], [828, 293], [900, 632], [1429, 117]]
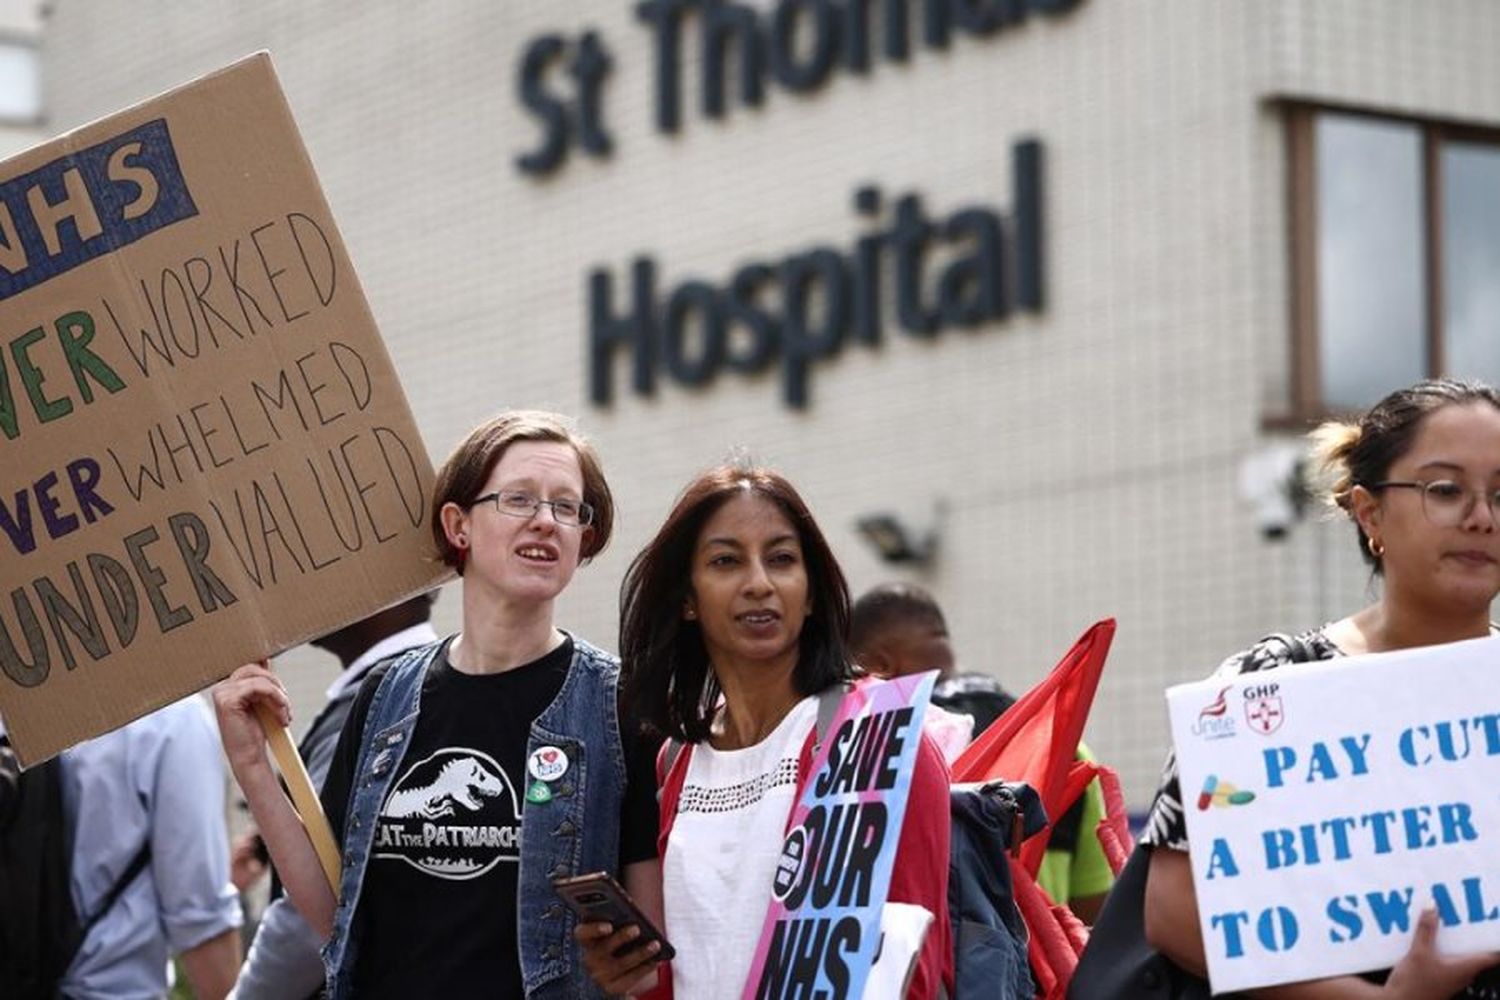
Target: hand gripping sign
[[1328, 804], [822, 930]]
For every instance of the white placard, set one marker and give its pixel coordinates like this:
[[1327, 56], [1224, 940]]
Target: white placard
[[1328, 803]]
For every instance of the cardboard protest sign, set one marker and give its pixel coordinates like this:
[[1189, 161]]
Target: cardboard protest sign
[[206, 455], [1328, 804], [822, 930]]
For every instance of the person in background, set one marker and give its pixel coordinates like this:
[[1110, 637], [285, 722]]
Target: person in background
[[898, 629], [472, 771], [284, 959], [733, 623], [150, 795], [1419, 475]]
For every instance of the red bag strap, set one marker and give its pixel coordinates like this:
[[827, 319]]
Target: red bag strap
[[671, 772], [1055, 936], [1114, 828]]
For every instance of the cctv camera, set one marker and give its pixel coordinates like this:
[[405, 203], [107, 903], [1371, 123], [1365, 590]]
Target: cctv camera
[[1271, 481]]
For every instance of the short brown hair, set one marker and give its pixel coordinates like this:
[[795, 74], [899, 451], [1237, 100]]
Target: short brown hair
[[465, 472]]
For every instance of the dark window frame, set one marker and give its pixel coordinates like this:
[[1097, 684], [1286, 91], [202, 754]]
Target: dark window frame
[[1305, 404]]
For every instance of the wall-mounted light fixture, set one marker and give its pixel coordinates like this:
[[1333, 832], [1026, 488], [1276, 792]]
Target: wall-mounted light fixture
[[895, 542]]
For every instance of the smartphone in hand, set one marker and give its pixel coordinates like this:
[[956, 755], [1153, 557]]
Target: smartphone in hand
[[598, 898]]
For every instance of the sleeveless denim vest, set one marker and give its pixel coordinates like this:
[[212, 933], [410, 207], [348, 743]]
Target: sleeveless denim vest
[[576, 832]]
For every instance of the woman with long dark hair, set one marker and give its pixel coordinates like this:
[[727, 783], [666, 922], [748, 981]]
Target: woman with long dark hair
[[733, 622]]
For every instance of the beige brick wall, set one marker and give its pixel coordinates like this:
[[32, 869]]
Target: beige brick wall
[[1088, 455]]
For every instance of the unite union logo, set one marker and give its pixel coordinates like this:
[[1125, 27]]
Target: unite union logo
[[1214, 721]]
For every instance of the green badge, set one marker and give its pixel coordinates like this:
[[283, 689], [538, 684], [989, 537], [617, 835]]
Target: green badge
[[538, 792]]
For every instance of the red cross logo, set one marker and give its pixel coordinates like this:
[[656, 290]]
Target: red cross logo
[[1264, 715]]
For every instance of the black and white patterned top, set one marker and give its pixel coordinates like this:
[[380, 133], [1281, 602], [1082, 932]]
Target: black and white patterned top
[[1165, 825]]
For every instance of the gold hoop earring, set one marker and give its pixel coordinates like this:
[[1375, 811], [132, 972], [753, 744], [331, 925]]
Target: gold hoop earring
[[1376, 549]]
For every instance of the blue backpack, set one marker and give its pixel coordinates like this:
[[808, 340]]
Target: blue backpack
[[989, 938]]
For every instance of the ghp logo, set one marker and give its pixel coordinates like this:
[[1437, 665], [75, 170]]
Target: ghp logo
[[1263, 709], [1214, 721]]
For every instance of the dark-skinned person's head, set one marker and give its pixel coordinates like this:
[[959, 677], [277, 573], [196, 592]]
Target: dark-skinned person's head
[[738, 574], [898, 629]]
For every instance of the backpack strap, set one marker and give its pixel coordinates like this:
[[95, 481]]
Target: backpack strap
[[828, 707], [137, 865], [667, 756]]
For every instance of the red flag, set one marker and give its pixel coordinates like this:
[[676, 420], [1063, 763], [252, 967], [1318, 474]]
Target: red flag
[[1036, 739]]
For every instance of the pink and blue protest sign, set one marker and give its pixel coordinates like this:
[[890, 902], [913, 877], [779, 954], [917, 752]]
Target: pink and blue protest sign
[[822, 931]]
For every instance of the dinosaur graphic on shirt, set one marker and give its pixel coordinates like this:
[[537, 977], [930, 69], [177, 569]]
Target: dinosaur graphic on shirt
[[453, 814], [462, 782]]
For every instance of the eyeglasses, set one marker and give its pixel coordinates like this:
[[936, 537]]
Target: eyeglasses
[[1446, 503], [518, 503]]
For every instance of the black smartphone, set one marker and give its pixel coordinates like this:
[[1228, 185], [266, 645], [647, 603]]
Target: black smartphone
[[598, 898]]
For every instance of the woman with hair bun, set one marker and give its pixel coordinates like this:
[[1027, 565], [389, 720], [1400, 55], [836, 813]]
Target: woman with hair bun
[[1419, 475]]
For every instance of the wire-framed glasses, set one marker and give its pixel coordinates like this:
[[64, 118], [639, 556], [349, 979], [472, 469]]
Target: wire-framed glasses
[[519, 503], [1445, 502]]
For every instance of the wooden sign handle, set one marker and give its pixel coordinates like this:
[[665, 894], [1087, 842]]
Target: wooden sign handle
[[304, 797]]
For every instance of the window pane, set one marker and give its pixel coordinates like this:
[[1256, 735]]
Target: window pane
[[1372, 288], [20, 96], [1471, 260]]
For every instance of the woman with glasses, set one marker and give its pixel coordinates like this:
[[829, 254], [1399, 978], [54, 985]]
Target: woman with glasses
[[733, 622], [1419, 475], [473, 771]]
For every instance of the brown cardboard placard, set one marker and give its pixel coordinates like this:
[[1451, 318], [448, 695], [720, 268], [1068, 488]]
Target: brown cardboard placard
[[205, 454]]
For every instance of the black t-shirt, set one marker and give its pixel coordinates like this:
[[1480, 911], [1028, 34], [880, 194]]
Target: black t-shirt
[[437, 913]]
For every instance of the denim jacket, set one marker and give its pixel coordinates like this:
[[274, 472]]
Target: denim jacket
[[583, 721]]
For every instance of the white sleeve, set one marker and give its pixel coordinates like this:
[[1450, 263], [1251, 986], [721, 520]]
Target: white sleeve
[[285, 958]]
